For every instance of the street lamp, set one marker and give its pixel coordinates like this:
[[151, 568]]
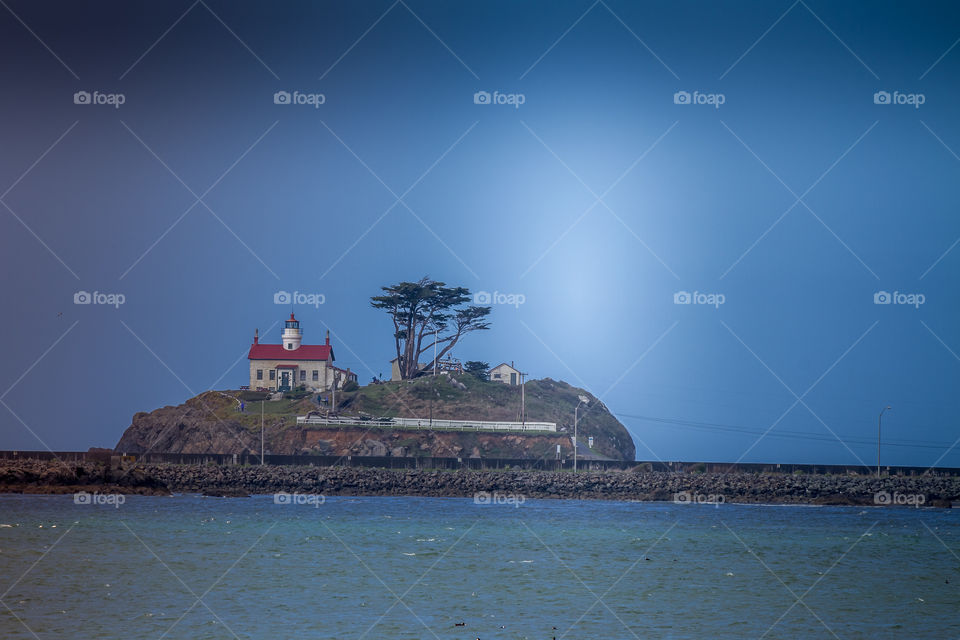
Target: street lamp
[[583, 400], [879, 424]]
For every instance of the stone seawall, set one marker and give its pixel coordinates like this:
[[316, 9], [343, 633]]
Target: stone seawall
[[33, 476]]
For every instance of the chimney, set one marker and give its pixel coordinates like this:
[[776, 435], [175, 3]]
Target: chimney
[[328, 337], [256, 336]]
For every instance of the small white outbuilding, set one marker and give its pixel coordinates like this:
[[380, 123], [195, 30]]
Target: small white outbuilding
[[505, 373]]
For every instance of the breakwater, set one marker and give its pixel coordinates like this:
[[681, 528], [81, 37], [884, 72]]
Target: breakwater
[[53, 476], [480, 464]]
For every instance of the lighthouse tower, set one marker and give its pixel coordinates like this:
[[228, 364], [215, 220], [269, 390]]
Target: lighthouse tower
[[292, 334]]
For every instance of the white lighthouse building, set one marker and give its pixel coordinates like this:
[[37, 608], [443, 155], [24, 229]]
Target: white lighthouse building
[[292, 364]]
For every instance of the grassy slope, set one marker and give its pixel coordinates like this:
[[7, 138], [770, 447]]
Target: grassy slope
[[546, 400]]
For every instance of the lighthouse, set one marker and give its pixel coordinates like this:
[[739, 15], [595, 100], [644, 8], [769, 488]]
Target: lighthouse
[[292, 335], [291, 364]]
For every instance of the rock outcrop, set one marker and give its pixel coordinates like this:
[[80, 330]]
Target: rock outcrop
[[213, 423]]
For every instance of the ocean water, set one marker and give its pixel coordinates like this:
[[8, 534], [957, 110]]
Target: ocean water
[[377, 567]]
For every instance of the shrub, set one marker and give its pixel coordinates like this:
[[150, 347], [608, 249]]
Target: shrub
[[351, 385], [253, 396], [476, 368]]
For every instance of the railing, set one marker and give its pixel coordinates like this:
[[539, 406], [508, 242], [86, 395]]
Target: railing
[[426, 423]]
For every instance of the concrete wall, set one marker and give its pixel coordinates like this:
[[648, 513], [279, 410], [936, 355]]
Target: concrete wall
[[435, 424]]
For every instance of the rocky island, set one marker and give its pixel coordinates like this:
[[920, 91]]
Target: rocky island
[[213, 423]]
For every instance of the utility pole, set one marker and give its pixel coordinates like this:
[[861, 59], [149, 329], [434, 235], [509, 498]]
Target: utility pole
[[879, 425], [261, 432], [523, 402], [433, 382], [333, 402], [583, 400]]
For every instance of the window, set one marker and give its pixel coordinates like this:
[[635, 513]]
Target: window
[[259, 374], [303, 375], [289, 345], [497, 376], [273, 374], [316, 375]]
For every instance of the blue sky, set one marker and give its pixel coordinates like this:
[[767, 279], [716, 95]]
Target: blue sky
[[817, 183]]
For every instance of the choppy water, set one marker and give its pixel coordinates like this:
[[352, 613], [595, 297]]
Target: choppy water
[[192, 567]]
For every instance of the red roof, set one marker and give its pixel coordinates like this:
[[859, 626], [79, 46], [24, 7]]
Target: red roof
[[277, 352]]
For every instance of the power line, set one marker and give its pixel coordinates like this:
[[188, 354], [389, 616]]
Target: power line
[[798, 435]]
